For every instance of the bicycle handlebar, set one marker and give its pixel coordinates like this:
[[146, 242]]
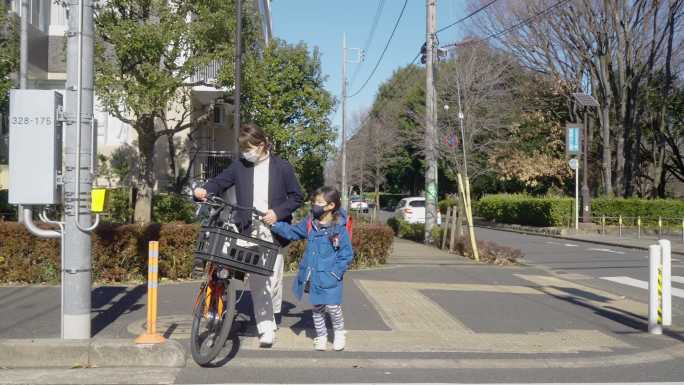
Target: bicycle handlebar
[[218, 201]]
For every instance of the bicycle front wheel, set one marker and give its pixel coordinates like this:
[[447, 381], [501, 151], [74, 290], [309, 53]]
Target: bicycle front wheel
[[212, 320]]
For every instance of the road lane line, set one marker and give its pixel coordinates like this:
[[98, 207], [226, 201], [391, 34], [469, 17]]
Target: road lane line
[[629, 281]]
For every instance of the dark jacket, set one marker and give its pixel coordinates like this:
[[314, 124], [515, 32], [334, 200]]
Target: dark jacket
[[322, 263], [284, 194]]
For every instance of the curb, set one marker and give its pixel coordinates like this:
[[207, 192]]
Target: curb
[[56, 353], [569, 238]]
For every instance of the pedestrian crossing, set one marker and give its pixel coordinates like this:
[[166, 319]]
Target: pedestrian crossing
[[633, 282]]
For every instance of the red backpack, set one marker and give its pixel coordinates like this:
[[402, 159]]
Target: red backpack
[[309, 226]]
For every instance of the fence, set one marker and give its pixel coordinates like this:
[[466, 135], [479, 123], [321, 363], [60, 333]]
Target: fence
[[638, 227]]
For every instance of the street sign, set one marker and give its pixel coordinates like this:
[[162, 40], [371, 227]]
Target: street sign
[[573, 139], [574, 163]]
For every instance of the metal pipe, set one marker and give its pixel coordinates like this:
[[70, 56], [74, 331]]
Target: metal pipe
[[35, 230], [23, 44]]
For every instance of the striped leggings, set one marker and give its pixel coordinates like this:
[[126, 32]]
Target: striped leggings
[[335, 312]]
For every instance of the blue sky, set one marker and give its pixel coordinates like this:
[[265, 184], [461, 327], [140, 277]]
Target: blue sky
[[322, 22]]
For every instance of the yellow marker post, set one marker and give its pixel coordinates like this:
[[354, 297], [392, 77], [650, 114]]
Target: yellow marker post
[[465, 194], [639, 227], [151, 336]]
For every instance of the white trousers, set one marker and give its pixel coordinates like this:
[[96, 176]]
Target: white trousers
[[267, 292]]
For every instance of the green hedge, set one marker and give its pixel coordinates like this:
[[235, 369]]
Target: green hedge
[[525, 210], [119, 252], [636, 207], [556, 211]]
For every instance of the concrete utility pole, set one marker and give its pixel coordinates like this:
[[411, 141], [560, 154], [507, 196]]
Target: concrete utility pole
[[345, 195], [23, 45], [430, 118], [23, 66], [238, 77], [586, 197], [78, 169]]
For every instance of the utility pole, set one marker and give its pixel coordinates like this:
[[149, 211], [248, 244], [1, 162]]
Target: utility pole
[[78, 172], [345, 192], [23, 46], [238, 77], [23, 66], [430, 118], [345, 195], [586, 198]]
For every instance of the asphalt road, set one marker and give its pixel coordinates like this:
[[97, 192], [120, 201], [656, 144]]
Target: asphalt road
[[618, 270]]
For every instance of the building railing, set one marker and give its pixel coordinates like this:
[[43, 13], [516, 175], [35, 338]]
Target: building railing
[[208, 74], [209, 164]]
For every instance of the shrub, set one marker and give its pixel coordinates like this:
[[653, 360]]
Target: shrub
[[119, 252], [412, 231], [444, 204], [172, 208], [489, 252], [8, 212], [372, 246], [525, 210], [648, 209], [119, 208]]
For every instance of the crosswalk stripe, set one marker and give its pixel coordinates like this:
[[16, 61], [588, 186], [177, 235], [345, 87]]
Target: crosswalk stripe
[[629, 281], [678, 279]]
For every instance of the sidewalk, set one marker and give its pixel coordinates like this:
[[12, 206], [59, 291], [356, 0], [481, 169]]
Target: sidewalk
[[608, 240]]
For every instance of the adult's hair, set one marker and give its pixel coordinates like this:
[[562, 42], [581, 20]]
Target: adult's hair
[[331, 195], [253, 135]]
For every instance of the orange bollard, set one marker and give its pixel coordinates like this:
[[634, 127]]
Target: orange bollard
[[151, 336]]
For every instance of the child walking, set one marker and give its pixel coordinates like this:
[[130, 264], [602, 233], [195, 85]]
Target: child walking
[[326, 258]]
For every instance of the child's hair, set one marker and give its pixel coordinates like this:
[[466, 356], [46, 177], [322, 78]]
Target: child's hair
[[330, 194], [252, 135]]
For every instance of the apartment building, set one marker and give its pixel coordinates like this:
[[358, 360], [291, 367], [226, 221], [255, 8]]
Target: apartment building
[[214, 142]]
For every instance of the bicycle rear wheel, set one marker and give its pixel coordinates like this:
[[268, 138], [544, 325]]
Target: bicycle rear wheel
[[212, 320]]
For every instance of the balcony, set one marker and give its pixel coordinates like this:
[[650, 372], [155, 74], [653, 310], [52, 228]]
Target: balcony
[[208, 164], [207, 75]]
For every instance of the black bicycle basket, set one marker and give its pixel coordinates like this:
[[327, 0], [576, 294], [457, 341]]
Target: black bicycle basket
[[240, 252]]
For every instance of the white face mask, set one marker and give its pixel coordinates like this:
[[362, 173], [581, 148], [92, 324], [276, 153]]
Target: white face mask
[[251, 156]]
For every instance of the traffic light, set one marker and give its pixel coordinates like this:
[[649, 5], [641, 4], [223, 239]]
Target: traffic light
[[423, 53]]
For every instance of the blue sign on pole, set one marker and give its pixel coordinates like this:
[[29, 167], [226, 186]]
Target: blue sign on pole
[[573, 138]]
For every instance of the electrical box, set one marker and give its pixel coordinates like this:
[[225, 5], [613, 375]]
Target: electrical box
[[35, 150]]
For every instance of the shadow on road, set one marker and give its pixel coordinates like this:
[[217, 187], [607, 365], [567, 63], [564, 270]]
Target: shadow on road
[[111, 302]]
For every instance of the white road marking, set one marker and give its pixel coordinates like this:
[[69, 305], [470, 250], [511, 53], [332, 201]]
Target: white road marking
[[629, 281], [678, 279], [569, 245], [606, 250]]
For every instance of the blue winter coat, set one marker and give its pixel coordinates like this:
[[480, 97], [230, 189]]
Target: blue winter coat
[[321, 263]]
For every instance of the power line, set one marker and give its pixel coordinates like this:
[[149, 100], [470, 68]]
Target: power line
[[475, 12], [396, 25], [369, 39]]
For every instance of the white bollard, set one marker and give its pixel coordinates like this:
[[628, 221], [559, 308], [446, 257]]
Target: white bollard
[[653, 300], [666, 252]]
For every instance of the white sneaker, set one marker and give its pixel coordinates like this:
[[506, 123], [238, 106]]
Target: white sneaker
[[321, 343], [340, 340], [266, 339]]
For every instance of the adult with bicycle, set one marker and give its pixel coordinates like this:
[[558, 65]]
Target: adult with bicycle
[[268, 183]]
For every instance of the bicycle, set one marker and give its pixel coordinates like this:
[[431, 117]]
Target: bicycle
[[228, 256]]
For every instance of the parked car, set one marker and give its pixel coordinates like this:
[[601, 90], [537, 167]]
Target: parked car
[[412, 210], [358, 204]]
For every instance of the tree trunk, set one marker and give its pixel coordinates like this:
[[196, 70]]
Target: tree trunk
[[146, 142]]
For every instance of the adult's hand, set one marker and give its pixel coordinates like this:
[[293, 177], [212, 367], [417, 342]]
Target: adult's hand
[[200, 194], [270, 218]]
